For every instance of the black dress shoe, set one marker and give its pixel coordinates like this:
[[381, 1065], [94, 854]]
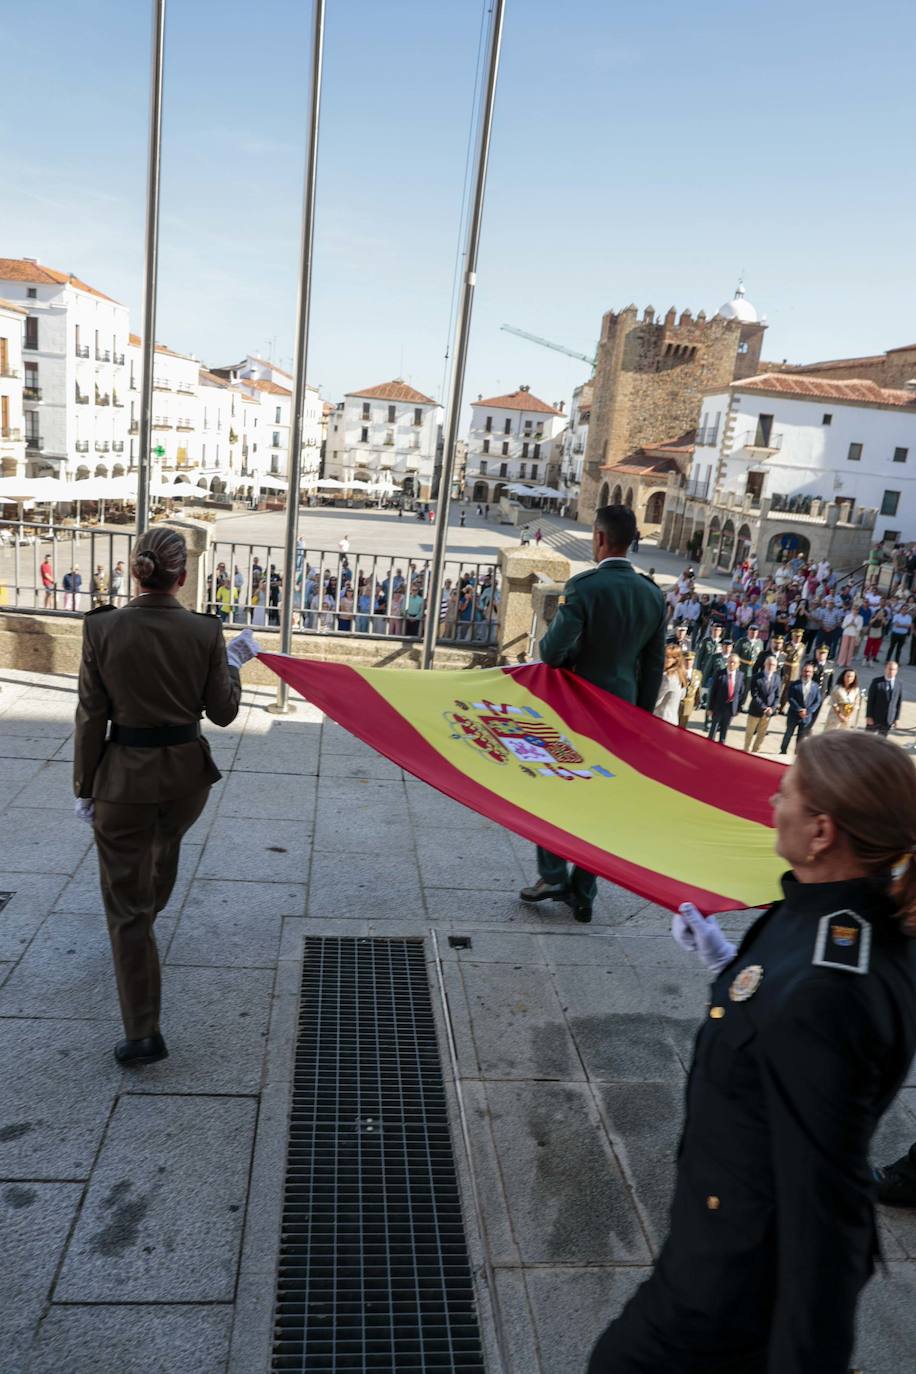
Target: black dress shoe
[[582, 910], [897, 1183], [147, 1051]]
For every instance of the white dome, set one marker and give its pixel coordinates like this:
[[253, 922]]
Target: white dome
[[739, 308]]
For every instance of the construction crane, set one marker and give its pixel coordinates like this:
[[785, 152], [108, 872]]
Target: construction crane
[[546, 343]]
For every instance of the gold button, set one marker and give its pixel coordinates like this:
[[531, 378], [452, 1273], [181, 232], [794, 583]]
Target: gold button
[[712, 1203], [717, 1013]]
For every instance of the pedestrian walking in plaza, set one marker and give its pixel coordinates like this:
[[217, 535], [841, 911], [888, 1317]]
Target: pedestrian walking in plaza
[[49, 586], [765, 692], [461, 518], [538, 536], [725, 695], [142, 770], [525, 536], [882, 707], [117, 583], [610, 630], [72, 584], [809, 1036], [804, 704]]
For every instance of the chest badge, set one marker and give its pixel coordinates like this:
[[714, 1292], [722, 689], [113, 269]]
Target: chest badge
[[746, 983], [843, 941]]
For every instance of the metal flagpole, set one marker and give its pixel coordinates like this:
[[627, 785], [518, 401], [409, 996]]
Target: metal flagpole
[[302, 350], [462, 333], [150, 266]]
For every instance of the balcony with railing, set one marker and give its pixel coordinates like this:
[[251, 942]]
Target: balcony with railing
[[82, 445], [101, 446], [116, 402], [707, 436], [81, 350], [34, 442], [757, 444], [82, 397], [103, 355], [9, 435], [161, 384], [697, 488], [233, 437], [134, 427], [162, 422], [118, 359], [31, 393], [186, 389], [7, 371], [117, 446], [30, 345], [184, 424]]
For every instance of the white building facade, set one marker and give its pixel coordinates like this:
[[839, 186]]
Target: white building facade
[[510, 440], [797, 440], [12, 442], [74, 377], [384, 432], [575, 439], [268, 450]]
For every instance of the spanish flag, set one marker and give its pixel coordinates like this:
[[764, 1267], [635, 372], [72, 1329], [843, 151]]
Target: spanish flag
[[659, 810]]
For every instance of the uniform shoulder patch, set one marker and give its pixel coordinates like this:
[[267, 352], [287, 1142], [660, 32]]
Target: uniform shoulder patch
[[843, 941], [98, 610]]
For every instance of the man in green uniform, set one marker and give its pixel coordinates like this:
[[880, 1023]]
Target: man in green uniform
[[749, 648], [610, 629]]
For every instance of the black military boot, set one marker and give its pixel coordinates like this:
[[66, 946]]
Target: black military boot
[[897, 1183], [147, 1051]]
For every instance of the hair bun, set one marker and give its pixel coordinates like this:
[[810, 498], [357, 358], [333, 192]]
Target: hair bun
[[149, 554]]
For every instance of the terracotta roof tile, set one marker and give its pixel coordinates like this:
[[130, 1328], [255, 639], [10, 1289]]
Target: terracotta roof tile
[[18, 269], [519, 400], [261, 384], [9, 305], [210, 379], [823, 388], [397, 390], [135, 340]]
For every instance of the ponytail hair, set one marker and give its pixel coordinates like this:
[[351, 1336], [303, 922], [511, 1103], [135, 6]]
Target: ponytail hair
[[159, 559], [868, 787]]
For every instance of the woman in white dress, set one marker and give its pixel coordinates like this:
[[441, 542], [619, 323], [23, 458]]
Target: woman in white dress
[[673, 686], [844, 702]]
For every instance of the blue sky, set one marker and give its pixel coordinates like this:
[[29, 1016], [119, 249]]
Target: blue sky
[[645, 152]]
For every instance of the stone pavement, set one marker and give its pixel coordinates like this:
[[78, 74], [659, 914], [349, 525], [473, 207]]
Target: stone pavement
[[139, 1212]]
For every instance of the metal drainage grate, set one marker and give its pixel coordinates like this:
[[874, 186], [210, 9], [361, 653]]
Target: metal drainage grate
[[374, 1271]]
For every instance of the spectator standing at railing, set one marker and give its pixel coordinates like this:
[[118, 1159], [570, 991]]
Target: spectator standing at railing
[[48, 583], [99, 586], [414, 610], [276, 582], [238, 585], [345, 618], [380, 618], [396, 617], [72, 584], [116, 584], [363, 606]]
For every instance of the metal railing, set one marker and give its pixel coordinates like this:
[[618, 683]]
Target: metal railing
[[118, 358], [103, 355], [62, 569], [33, 441], [12, 435], [367, 595], [31, 393], [81, 350]]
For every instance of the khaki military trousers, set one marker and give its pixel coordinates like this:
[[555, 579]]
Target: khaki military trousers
[[138, 848]]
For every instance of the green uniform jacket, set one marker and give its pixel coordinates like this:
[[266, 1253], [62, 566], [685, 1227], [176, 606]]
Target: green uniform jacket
[[610, 629]]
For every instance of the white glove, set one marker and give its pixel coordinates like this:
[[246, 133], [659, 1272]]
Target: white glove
[[84, 807], [702, 935], [242, 648]]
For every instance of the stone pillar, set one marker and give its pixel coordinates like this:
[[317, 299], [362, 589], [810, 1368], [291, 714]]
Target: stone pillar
[[197, 537], [518, 575]]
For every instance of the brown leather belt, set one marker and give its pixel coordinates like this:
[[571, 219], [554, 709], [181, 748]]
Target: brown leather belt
[[153, 736]]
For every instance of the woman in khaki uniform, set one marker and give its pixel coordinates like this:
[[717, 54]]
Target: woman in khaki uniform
[[142, 769]]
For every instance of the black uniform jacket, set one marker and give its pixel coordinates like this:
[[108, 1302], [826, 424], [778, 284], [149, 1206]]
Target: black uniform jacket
[[151, 663], [772, 1227]]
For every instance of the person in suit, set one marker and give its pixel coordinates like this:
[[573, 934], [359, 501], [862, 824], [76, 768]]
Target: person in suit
[[804, 704], [725, 698], [765, 692], [609, 629], [808, 1036], [142, 770], [882, 707]]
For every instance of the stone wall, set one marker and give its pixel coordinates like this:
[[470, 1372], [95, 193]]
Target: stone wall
[[892, 369], [650, 378]]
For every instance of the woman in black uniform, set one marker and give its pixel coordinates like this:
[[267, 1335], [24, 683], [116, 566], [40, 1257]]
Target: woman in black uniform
[[809, 1034]]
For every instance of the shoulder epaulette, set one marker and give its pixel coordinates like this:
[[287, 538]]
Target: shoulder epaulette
[[97, 610], [207, 615], [843, 942]]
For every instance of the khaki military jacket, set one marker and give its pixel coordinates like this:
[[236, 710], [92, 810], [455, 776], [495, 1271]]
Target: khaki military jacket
[[150, 663]]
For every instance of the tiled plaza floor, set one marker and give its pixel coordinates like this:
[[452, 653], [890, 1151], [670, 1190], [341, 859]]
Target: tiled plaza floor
[[138, 1212]]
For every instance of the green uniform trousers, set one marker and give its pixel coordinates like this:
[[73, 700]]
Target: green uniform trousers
[[138, 848], [553, 869]]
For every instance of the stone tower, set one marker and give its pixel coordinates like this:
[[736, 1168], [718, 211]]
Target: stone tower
[[651, 375]]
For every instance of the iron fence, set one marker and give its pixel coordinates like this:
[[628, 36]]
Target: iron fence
[[62, 568], [67, 569], [372, 595]]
